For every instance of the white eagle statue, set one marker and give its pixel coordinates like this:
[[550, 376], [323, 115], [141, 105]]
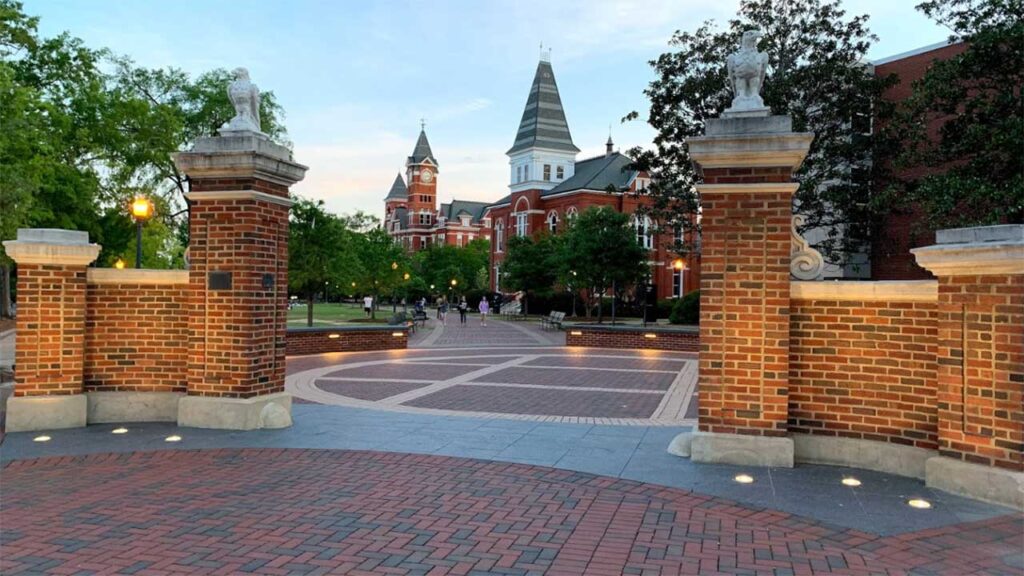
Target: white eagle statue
[[747, 68], [245, 97]]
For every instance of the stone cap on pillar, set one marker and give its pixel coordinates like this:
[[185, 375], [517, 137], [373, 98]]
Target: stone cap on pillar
[[240, 154], [975, 251], [52, 246], [750, 142]]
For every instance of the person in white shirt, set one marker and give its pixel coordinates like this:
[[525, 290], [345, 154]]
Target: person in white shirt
[[368, 305]]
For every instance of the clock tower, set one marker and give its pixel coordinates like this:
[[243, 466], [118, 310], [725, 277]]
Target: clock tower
[[421, 174]]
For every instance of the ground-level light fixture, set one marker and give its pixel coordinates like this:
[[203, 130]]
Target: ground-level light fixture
[[744, 478], [121, 430], [650, 335], [334, 336], [173, 438], [851, 482], [43, 438], [919, 503], [576, 333], [398, 334]]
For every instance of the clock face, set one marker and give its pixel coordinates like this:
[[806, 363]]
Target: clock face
[[426, 175]]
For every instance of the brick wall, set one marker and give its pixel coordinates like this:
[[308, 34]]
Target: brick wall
[[981, 369], [744, 314], [136, 337], [303, 341], [864, 369], [50, 329], [607, 337]]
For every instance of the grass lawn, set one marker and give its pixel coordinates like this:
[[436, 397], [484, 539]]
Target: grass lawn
[[333, 313]]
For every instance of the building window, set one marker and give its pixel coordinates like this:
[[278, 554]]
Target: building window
[[571, 213], [526, 172], [547, 172], [424, 219], [519, 174], [499, 236], [553, 221], [497, 277], [522, 223], [465, 220], [560, 172], [678, 282], [642, 225], [458, 239]]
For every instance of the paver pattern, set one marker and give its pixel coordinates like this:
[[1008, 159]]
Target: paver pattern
[[314, 512]]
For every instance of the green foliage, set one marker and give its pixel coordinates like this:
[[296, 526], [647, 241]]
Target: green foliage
[[601, 248], [532, 265], [382, 264], [321, 251], [976, 157], [815, 75], [438, 265], [686, 309]]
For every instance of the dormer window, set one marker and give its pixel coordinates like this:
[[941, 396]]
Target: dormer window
[[560, 173], [547, 172], [519, 174], [465, 220]]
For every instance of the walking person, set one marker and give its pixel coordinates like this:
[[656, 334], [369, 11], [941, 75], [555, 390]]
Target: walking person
[[463, 308], [484, 309], [368, 305], [442, 311]]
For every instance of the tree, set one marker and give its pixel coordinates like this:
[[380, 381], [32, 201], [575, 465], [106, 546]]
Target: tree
[[383, 264], [602, 249], [440, 264], [531, 265], [320, 250], [975, 158], [816, 75]]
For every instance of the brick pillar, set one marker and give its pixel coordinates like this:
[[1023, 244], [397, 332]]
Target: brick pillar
[[238, 280], [50, 341], [980, 355], [747, 165]]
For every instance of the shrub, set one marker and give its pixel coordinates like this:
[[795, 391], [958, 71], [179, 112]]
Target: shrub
[[686, 309]]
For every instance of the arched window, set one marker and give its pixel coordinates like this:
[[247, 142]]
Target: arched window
[[644, 234], [522, 215], [552, 221], [571, 213], [499, 235]]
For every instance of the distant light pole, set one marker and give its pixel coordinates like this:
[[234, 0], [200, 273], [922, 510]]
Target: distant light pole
[[142, 210], [394, 289]]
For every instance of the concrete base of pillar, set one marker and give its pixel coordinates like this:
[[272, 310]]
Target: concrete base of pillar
[[29, 413], [976, 481], [869, 454], [268, 411], [106, 407], [741, 449]]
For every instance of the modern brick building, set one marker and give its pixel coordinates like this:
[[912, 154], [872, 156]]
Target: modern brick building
[[890, 252], [548, 186], [411, 214]]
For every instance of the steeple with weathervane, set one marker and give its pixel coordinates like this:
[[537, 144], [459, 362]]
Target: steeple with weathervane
[[421, 175], [543, 154]]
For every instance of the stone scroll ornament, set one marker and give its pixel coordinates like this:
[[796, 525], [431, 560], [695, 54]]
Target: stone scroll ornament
[[805, 263], [245, 97], [747, 68]]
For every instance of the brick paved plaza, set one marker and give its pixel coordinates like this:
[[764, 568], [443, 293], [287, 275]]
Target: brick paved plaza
[[455, 457]]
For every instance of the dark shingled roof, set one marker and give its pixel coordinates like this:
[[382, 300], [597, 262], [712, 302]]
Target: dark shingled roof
[[422, 151], [398, 189], [598, 173], [474, 209], [543, 124]]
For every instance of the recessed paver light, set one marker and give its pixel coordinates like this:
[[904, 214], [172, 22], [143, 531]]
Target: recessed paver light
[[334, 336], [43, 438], [121, 430], [744, 478], [919, 503], [174, 438], [851, 482], [398, 334]]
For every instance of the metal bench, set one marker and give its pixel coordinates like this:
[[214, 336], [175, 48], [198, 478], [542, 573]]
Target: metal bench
[[553, 320]]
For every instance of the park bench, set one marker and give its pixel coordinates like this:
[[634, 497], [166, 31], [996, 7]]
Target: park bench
[[419, 317], [402, 319], [553, 320]]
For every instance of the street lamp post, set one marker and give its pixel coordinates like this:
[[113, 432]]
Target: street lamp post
[[142, 210], [394, 289]]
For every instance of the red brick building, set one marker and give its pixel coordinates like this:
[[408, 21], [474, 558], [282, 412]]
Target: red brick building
[[411, 215], [548, 186], [890, 252]]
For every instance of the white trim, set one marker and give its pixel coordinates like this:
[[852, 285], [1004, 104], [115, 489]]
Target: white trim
[[973, 259], [135, 276], [239, 195], [914, 52], [763, 187], [878, 291]]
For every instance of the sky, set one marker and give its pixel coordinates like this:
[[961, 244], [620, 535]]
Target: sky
[[355, 78]]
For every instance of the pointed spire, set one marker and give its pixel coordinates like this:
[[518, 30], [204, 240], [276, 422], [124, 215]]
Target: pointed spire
[[398, 191], [609, 146], [422, 150], [543, 124]]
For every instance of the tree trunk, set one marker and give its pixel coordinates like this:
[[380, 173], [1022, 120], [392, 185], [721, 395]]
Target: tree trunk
[[5, 290], [309, 309], [373, 309], [600, 307]]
